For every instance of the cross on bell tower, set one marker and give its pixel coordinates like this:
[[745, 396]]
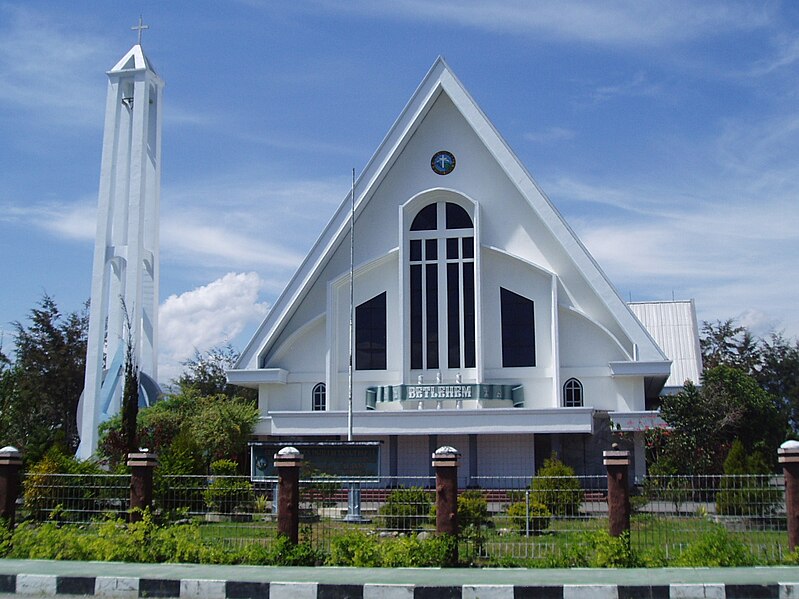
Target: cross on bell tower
[[126, 253], [139, 28]]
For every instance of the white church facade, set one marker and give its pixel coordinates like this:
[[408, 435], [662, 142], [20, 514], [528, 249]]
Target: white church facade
[[480, 320]]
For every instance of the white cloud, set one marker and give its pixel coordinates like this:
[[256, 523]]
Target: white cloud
[[48, 70], [245, 223], [69, 221], [551, 134], [206, 317], [606, 22], [637, 86]]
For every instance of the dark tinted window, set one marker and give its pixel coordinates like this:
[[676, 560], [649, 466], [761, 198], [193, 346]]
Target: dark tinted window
[[457, 217], [518, 329], [426, 219], [370, 334]]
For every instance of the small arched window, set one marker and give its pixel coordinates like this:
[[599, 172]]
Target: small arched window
[[572, 394], [319, 397]]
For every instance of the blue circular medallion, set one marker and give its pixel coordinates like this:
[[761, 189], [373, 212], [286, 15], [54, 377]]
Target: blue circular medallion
[[443, 162]]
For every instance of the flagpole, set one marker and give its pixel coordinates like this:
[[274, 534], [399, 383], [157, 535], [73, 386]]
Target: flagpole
[[354, 491], [352, 304]]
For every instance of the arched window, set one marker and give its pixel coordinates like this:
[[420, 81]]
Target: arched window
[[442, 288], [572, 394], [319, 397]]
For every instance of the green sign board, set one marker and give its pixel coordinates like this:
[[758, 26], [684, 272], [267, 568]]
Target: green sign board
[[457, 392], [357, 460]]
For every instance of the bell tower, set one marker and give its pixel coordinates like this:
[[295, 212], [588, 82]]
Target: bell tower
[[124, 296]]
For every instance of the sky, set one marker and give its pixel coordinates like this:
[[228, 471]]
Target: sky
[[666, 134]]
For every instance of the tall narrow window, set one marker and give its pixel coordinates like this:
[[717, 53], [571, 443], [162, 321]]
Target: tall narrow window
[[572, 394], [319, 397], [370, 334], [442, 289], [518, 329]]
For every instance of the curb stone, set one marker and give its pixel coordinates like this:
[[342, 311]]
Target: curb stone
[[198, 588]]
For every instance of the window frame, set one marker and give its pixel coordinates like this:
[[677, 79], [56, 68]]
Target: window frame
[[444, 339], [573, 393], [319, 398]]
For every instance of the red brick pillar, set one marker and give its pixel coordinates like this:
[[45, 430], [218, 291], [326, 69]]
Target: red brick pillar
[[788, 455], [618, 463], [445, 462], [142, 465], [288, 461], [10, 466]]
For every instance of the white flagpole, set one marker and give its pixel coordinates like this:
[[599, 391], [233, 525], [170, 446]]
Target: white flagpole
[[352, 306]]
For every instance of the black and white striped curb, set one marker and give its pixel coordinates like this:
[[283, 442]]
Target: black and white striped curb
[[132, 588]]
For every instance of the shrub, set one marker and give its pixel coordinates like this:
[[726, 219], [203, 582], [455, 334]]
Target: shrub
[[714, 549], [612, 552], [355, 549], [43, 493], [227, 494], [472, 510], [406, 509], [557, 487], [538, 516], [742, 492]]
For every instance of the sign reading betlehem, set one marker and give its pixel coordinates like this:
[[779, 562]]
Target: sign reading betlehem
[[359, 460], [439, 391]]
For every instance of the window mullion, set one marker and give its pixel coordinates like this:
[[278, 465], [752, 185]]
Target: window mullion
[[461, 304]]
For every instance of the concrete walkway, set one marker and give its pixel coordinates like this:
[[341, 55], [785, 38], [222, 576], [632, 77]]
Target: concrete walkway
[[113, 579]]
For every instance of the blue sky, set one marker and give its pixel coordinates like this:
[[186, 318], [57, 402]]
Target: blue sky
[[666, 133]]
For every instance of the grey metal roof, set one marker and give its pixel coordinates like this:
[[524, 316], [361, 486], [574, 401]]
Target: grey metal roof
[[673, 326]]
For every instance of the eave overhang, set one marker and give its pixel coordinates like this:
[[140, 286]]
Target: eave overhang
[[429, 422], [253, 377]]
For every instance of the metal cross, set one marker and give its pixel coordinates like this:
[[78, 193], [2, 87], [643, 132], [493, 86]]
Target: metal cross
[[140, 27]]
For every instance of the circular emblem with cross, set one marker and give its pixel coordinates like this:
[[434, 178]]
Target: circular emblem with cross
[[443, 162]]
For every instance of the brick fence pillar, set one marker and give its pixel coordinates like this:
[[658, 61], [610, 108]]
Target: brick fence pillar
[[10, 467], [142, 466], [288, 461], [788, 455], [618, 464], [445, 462]]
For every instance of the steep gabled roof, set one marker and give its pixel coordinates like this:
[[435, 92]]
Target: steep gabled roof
[[441, 80], [134, 60], [673, 325]]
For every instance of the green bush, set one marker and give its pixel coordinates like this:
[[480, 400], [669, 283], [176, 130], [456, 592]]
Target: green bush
[[746, 490], [556, 486], [472, 510], [612, 552], [539, 517], [44, 495], [406, 510], [227, 494], [354, 549], [715, 549]]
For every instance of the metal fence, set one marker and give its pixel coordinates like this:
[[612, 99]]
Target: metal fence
[[501, 520]]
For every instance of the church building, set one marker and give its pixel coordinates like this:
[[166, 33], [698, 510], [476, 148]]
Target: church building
[[479, 319]]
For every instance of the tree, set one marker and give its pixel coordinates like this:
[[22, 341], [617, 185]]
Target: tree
[[704, 422], [40, 392], [206, 374], [725, 342], [130, 389], [204, 420], [779, 374]]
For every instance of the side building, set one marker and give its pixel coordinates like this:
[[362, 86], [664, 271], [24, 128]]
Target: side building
[[480, 319]]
